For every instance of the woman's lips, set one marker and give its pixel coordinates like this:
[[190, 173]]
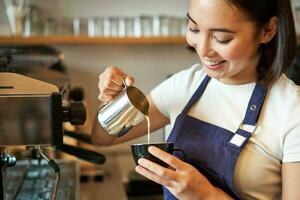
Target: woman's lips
[[214, 65]]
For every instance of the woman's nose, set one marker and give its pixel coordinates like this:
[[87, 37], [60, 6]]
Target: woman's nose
[[203, 46]]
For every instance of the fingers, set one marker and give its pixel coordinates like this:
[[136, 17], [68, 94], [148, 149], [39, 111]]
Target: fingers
[[129, 80], [111, 82], [107, 88], [107, 95], [152, 176], [158, 170], [167, 158]]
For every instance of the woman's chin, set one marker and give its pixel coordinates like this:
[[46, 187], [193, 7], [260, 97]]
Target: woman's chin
[[213, 74]]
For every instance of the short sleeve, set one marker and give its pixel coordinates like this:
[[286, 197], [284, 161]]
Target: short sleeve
[[291, 143], [171, 96], [162, 94]]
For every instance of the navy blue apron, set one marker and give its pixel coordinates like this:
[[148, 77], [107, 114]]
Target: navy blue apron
[[213, 150]]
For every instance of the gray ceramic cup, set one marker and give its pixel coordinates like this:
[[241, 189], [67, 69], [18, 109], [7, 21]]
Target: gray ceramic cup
[[141, 151]]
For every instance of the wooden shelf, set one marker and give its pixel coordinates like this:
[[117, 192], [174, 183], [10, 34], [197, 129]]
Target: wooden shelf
[[85, 40]]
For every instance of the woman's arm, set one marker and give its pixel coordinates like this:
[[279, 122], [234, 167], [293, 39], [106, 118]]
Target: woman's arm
[[290, 181], [157, 120], [110, 85]]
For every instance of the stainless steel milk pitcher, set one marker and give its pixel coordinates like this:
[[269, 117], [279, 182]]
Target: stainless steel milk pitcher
[[123, 112]]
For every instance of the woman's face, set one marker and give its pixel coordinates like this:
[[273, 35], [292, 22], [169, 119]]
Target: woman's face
[[225, 40]]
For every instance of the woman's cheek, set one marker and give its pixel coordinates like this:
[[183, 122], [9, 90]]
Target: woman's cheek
[[190, 39], [231, 52]]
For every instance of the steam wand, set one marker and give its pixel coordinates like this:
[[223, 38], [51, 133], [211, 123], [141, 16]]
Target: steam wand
[[6, 160], [56, 169]]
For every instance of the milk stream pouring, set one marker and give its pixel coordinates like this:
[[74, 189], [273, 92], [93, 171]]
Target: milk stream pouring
[[123, 112]]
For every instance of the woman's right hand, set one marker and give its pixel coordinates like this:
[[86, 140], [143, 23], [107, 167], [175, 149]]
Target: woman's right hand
[[111, 83]]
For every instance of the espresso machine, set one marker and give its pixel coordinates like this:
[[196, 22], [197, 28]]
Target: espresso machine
[[35, 101]]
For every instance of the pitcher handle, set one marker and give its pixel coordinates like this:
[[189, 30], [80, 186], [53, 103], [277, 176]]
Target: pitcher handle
[[125, 85]]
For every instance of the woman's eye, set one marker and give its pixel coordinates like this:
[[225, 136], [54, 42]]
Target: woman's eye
[[194, 30], [222, 41]]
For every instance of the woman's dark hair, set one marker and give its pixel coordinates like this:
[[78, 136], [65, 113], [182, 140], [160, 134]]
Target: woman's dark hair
[[278, 54]]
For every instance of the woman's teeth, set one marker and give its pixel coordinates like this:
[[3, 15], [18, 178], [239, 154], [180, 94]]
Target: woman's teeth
[[212, 63]]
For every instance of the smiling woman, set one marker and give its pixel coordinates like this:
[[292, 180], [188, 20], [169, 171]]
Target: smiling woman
[[220, 40], [235, 115]]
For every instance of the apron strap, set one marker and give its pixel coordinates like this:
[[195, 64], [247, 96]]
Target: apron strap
[[197, 94], [241, 136], [255, 105]]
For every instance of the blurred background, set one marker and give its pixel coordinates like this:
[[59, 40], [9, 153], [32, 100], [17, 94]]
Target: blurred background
[[143, 38]]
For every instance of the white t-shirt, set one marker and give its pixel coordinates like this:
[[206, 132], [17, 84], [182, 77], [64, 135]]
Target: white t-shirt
[[257, 173]]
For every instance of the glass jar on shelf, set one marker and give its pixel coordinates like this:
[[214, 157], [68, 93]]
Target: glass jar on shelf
[[59, 26], [33, 23]]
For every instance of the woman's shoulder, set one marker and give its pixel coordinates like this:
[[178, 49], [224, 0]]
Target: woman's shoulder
[[287, 98], [284, 103], [188, 78], [173, 93], [184, 79], [286, 90]]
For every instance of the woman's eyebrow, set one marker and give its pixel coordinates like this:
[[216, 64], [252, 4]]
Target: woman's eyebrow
[[190, 18], [222, 30], [213, 29]]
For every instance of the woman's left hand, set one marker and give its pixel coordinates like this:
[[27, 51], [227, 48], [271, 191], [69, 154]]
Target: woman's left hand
[[181, 179]]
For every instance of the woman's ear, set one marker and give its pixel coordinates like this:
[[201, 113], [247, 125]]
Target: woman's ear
[[269, 30]]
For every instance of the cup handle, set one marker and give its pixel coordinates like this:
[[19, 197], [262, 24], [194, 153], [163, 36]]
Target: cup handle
[[183, 154]]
